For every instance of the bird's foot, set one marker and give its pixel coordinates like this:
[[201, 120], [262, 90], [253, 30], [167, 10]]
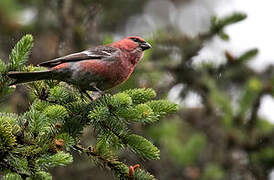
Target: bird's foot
[[93, 85]]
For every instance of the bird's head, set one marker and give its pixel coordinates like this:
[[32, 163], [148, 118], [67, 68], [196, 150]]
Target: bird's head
[[132, 43]]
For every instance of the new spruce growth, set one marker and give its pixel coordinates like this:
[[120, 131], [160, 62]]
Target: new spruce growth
[[45, 135]]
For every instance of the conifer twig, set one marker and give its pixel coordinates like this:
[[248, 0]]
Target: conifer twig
[[115, 133], [254, 110], [90, 152], [7, 166]]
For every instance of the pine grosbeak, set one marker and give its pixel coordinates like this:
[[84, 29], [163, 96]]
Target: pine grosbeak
[[96, 69]]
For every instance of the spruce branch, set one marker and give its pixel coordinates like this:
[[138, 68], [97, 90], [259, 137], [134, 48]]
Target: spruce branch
[[121, 170], [16, 173], [58, 159], [20, 53], [7, 139], [112, 163], [255, 108], [143, 147], [139, 96], [13, 176], [17, 59], [218, 24]]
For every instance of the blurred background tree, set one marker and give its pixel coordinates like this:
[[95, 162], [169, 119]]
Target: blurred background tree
[[220, 136]]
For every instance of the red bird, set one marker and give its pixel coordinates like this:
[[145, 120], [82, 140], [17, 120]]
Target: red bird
[[96, 69]]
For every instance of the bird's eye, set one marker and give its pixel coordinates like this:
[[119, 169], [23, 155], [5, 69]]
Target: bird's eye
[[136, 40]]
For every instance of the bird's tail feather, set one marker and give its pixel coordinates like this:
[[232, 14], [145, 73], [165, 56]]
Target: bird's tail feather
[[23, 77]]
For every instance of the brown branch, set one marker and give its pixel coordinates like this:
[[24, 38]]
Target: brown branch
[[90, 152], [254, 110], [261, 142]]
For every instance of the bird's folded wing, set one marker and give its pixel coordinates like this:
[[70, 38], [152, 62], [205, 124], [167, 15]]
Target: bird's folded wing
[[103, 53]]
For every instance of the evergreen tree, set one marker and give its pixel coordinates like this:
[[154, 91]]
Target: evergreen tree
[[45, 135]]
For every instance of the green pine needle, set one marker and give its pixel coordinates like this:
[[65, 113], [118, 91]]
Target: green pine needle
[[7, 139], [143, 147], [18, 163], [3, 67], [139, 96], [61, 95], [12, 176], [39, 105], [140, 174], [42, 175], [163, 107], [217, 25], [121, 100], [20, 53], [120, 170], [250, 54], [56, 113], [104, 149], [58, 159], [140, 113]]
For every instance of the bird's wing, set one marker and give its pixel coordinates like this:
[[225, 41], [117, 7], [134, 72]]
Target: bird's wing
[[100, 52]]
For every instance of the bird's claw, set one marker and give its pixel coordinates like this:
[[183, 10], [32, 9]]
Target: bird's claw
[[93, 85]]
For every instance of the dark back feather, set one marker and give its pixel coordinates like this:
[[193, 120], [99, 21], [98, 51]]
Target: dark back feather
[[100, 52]]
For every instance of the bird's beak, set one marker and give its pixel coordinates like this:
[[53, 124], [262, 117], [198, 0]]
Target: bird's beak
[[145, 46]]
